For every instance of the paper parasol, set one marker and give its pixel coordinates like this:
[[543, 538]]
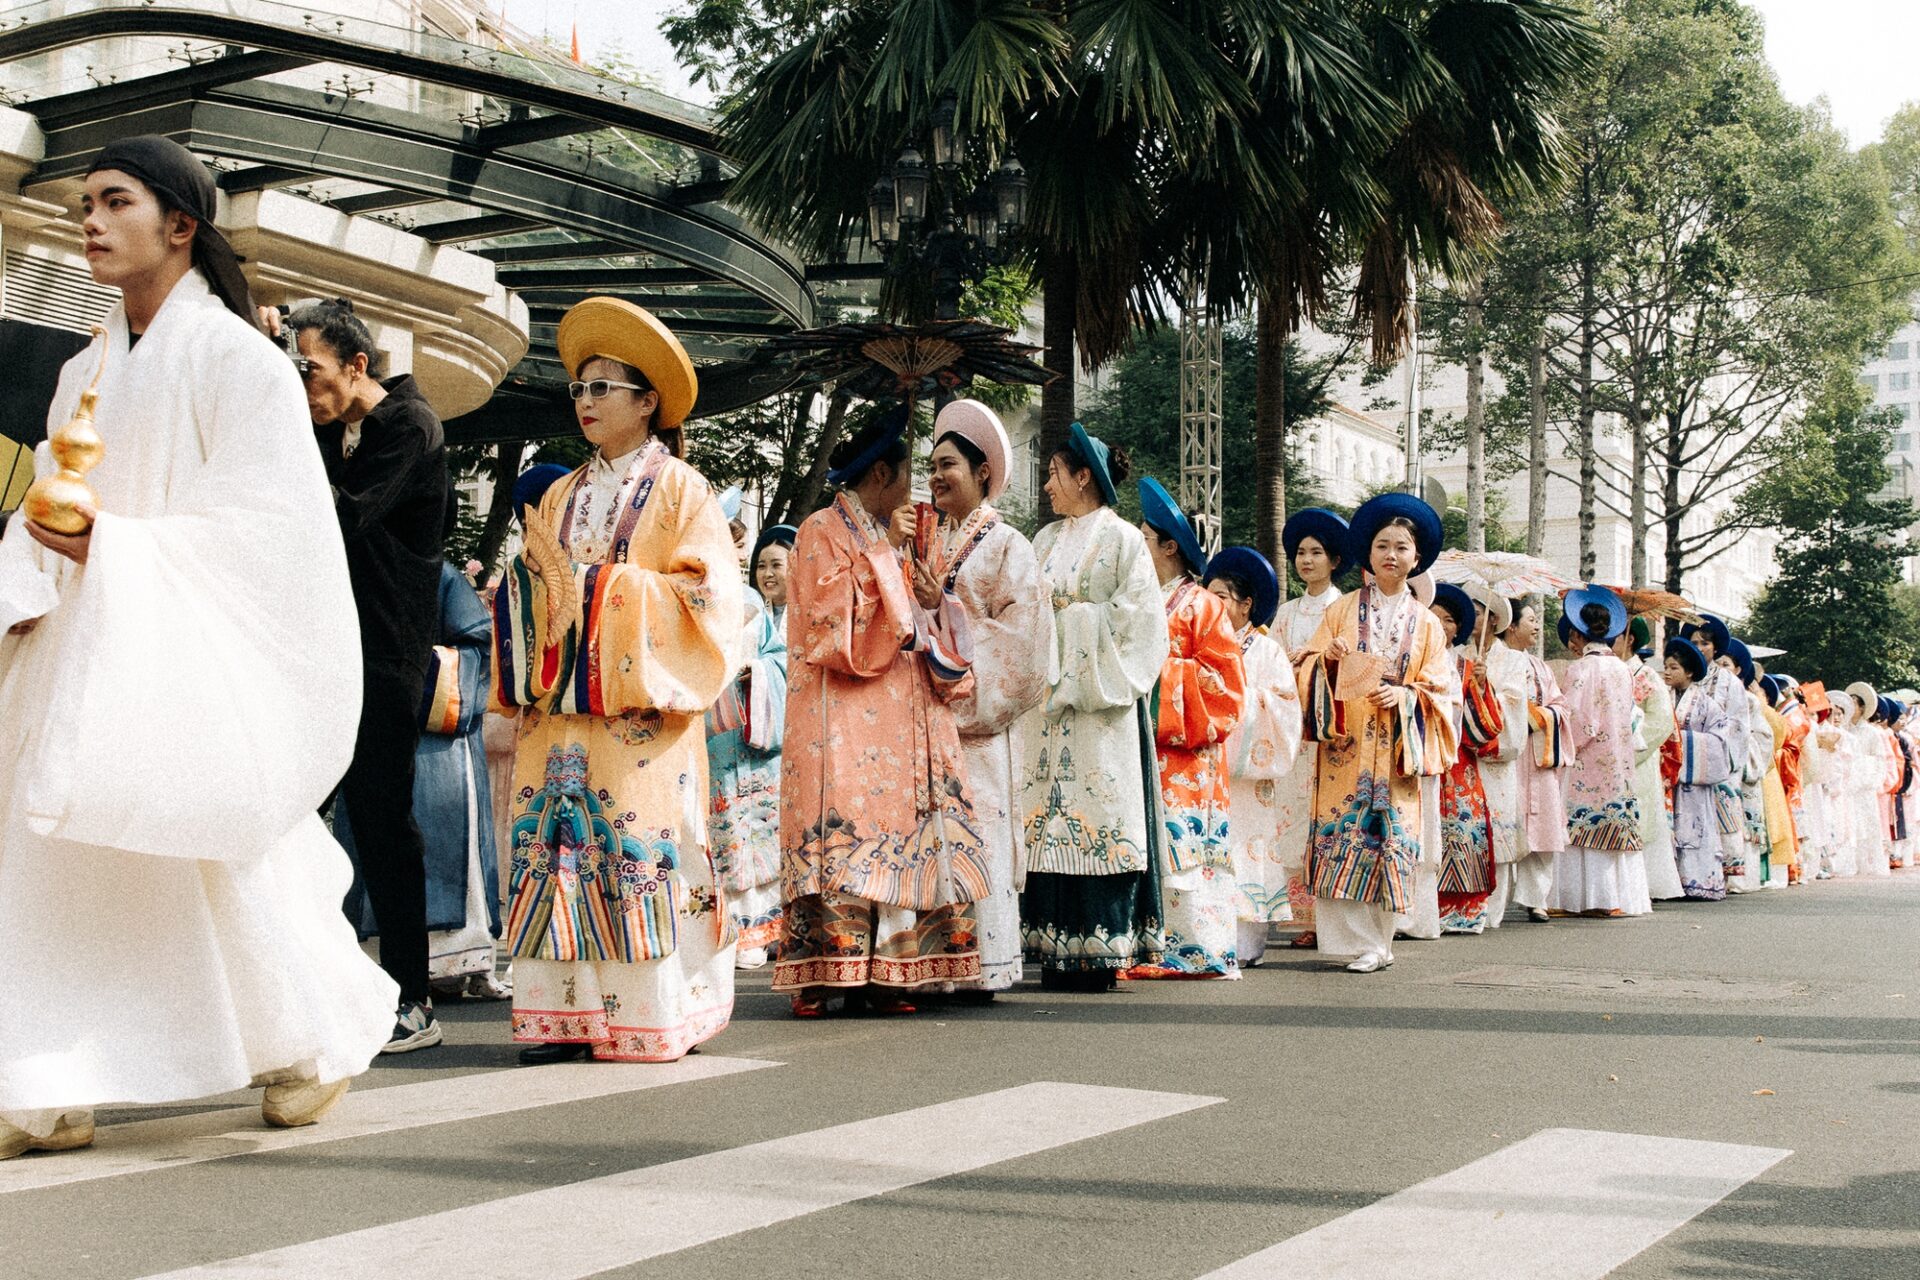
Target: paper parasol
[[1504, 573], [880, 361], [1651, 602]]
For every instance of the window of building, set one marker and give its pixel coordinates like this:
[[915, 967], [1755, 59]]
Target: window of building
[[1902, 442], [1871, 382], [1897, 350], [1900, 382]]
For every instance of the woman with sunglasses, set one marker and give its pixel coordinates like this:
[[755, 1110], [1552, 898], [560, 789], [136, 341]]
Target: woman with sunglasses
[[614, 628]]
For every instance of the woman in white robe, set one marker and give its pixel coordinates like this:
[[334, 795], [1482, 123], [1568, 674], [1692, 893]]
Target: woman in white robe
[[1837, 773], [1315, 541], [184, 701], [1872, 762], [988, 565], [1723, 686], [1660, 873], [1262, 749], [1089, 777]]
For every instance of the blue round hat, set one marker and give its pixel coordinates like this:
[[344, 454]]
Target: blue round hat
[[773, 535], [1245, 562], [887, 429], [1884, 709], [1565, 628], [1093, 451], [1323, 526], [1580, 597], [1460, 605], [1771, 686], [1737, 650], [1715, 629], [1162, 513], [730, 500], [1373, 516], [532, 485], [1689, 655]]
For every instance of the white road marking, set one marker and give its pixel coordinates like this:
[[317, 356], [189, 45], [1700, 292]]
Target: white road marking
[[1565, 1204], [145, 1145], [665, 1208]]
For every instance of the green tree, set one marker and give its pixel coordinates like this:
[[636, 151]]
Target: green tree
[[1139, 408], [1835, 604]]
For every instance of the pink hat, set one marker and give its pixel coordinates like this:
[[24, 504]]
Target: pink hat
[[980, 427]]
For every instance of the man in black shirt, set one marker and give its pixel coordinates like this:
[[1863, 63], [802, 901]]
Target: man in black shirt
[[386, 458]]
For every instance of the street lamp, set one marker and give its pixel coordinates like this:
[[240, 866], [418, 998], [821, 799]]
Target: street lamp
[[922, 217]]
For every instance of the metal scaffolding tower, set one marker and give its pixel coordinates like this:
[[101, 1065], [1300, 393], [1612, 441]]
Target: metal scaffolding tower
[[1200, 381]]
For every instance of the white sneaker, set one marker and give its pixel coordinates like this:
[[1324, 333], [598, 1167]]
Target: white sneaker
[[300, 1102], [1370, 963], [73, 1131], [413, 1028]]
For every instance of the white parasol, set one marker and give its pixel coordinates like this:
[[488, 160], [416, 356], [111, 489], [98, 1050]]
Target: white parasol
[[1505, 573]]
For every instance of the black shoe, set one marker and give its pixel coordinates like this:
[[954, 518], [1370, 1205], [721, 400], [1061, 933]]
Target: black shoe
[[540, 1055]]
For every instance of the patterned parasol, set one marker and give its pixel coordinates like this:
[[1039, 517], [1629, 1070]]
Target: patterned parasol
[[1504, 573], [1651, 602], [880, 361]]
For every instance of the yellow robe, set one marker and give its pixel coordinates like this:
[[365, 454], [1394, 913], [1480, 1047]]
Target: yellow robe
[[614, 915], [1366, 804]]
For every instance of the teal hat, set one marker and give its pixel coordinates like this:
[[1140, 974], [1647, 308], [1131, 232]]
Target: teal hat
[[1373, 516], [1460, 605], [1095, 456], [1689, 655], [1257, 570], [1164, 515], [1323, 526], [1737, 650], [1580, 597]]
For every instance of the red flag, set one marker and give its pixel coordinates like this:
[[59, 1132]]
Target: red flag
[[576, 44]]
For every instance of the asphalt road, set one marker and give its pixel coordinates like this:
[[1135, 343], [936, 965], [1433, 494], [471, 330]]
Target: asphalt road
[[1784, 1021]]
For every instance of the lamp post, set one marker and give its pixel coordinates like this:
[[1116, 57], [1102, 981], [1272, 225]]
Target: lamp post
[[923, 217]]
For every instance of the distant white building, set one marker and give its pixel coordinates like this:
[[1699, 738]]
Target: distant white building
[[1892, 378]]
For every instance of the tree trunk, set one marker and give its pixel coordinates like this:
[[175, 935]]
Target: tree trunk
[[1589, 464], [1537, 445], [1270, 435], [808, 497], [493, 535], [1671, 515], [1476, 427], [790, 473], [1638, 503], [1060, 295]]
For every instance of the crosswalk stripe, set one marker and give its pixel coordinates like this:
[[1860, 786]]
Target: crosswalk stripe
[[647, 1213], [168, 1143], [1565, 1204]]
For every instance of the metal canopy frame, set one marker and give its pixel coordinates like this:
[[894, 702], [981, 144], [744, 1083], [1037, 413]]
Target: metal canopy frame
[[509, 176]]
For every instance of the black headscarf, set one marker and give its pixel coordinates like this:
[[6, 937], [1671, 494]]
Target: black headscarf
[[183, 183]]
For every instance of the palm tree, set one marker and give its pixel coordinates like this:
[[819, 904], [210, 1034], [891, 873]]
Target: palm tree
[[1099, 98]]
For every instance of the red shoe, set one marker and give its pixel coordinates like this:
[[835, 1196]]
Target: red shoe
[[808, 1008], [1304, 940]]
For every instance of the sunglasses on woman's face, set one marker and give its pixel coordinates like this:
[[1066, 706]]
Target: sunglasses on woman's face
[[598, 388]]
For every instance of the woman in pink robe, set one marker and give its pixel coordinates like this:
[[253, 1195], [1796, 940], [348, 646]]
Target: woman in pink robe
[[881, 859], [1603, 810]]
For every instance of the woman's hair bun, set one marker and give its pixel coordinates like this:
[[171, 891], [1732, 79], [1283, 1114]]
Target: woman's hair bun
[[1119, 464]]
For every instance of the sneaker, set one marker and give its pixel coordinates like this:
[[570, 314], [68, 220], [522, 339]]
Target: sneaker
[[296, 1103], [71, 1132], [413, 1028]]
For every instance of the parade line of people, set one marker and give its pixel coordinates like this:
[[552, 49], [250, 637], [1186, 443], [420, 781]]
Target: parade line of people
[[897, 752]]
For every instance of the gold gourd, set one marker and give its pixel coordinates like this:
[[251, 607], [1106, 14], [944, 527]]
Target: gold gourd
[[53, 502]]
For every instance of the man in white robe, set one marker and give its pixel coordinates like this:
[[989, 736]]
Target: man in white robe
[[179, 687]]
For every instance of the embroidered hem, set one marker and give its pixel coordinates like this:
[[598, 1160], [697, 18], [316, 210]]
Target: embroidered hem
[[614, 1043]]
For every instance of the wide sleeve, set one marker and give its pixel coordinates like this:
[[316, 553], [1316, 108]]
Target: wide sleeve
[[1426, 716], [636, 638], [1550, 721], [1266, 742], [1012, 636], [459, 673], [1107, 653], [210, 697], [29, 573], [1656, 709], [1507, 674], [1483, 720], [1203, 684], [1704, 757], [767, 687], [851, 610]]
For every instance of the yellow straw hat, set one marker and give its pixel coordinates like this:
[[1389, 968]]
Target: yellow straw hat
[[618, 330]]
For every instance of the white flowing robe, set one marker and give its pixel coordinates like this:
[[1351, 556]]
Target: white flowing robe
[[997, 581], [1262, 751], [1836, 781], [170, 922], [1662, 872], [1870, 767], [1723, 688]]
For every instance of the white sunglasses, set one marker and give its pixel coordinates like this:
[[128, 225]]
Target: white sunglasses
[[598, 388]]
